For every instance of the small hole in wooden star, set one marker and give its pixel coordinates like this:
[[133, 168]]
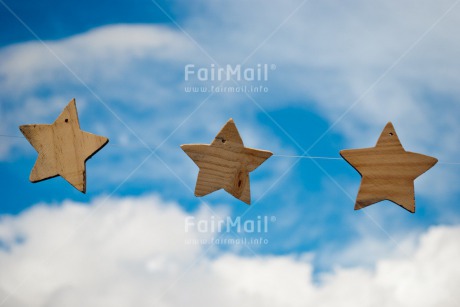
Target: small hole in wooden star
[[224, 140], [239, 183], [391, 133], [66, 120]]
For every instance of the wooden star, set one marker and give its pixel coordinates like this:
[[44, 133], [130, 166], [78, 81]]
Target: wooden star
[[225, 163], [388, 171], [62, 148]]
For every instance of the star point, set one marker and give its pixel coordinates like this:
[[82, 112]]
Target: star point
[[388, 171], [63, 148], [225, 163]]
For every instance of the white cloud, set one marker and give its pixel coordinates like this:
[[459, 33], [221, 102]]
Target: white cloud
[[116, 239], [132, 251]]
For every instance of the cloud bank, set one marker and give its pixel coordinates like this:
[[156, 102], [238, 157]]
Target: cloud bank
[[132, 251]]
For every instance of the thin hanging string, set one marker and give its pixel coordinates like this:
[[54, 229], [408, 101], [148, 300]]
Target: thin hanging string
[[281, 156], [451, 163], [337, 158], [309, 157], [12, 136]]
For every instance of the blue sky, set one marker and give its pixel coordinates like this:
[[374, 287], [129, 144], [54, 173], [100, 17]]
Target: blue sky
[[338, 73]]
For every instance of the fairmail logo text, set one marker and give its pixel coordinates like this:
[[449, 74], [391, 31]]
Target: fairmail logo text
[[237, 72]]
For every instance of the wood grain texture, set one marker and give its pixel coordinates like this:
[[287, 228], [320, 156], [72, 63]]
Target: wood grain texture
[[62, 148], [225, 163], [388, 171]]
